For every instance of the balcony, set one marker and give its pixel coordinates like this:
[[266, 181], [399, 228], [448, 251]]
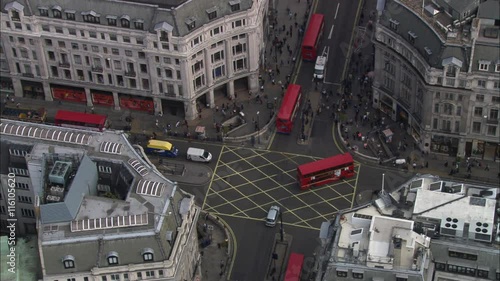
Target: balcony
[[31, 75], [130, 73], [64, 64], [97, 68]]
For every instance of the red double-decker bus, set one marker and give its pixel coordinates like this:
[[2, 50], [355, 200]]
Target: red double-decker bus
[[325, 170], [80, 120], [289, 108], [294, 267], [312, 37]]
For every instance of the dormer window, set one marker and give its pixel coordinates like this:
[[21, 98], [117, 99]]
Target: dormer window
[[139, 24], [111, 20], [70, 14], [125, 21], [393, 24], [91, 17], [14, 15], [147, 254], [191, 23], [163, 36], [484, 65], [235, 5], [69, 262], [56, 12], [411, 37], [44, 12], [428, 51], [497, 66], [212, 13], [112, 258]]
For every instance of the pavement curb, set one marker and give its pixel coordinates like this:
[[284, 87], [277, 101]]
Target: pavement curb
[[230, 241], [281, 261]]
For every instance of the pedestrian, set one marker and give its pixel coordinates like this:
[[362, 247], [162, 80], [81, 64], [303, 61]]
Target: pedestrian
[[221, 264], [487, 168], [18, 104], [216, 108]]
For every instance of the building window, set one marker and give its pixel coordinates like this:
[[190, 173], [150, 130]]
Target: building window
[[139, 25], [128, 53], [393, 24], [112, 258], [481, 83], [217, 56], [484, 65], [147, 255], [436, 108], [480, 98], [91, 18], [125, 22], [56, 12], [411, 37], [104, 278], [462, 270], [69, 262], [191, 23], [24, 199], [341, 273], [457, 126], [238, 23], [112, 21], [212, 13], [160, 272], [493, 114], [22, 185], [240, 64], [44, 12], [440, 266], [27, 213], [240, 48], [114, 277], [497, 67], [495, 99], [235, 6], [401, 278], [150, 273], [219, 72], [70, 15], [476, 127], [199, 81], [197, 66], [478, 111], [434, 124], [216, 31], [357, 275], [459, 111]]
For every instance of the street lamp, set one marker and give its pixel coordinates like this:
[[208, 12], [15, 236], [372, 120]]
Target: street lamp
[[258, 128]]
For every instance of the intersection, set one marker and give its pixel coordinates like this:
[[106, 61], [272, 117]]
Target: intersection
[[247, 182]]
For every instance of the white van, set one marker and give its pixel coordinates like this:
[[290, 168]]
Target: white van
[[272, 216], [198, 155]]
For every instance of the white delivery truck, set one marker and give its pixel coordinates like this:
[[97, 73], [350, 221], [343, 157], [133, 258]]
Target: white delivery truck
[[198, 155]]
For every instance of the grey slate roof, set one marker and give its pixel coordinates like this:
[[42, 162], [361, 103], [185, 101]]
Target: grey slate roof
[[83, 252], [148, 12], [489, 10], [426, 37], [486, 53], [83, 183]]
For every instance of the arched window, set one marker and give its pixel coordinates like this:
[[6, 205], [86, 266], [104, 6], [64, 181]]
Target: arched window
[[112, 258], [147, 254], [69, 261]]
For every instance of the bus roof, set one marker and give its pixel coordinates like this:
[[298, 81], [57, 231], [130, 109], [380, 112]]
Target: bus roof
[[313, 30], [326, 163], [158, 144], [74, 116], [289, 102], [294, 267]]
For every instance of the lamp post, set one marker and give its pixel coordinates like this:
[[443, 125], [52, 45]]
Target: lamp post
[[258, 127]]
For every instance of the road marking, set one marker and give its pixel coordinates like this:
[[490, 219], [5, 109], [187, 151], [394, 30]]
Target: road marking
[[336, 12], [212, 179], [350, 41], [331, 31]]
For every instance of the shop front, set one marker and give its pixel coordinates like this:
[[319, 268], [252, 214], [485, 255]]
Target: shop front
[[102, 98], [6, 85], [416, 131], [33, 90], [483, 150], [401, 114], [444, 144], [386, 104], [69, 94], [137, 103]]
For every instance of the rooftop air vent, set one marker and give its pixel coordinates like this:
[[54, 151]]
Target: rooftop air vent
[[452, 227], [481, 231], [60, 172]]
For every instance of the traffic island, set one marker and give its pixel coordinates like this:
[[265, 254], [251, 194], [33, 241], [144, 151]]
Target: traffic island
[[279, 257]]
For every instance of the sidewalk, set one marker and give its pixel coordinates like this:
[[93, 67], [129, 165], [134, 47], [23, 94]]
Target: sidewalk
[[355, 130]]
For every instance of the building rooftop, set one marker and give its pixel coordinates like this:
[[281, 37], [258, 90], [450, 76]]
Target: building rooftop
[[178, 14], [27, 267], [90, 185]]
